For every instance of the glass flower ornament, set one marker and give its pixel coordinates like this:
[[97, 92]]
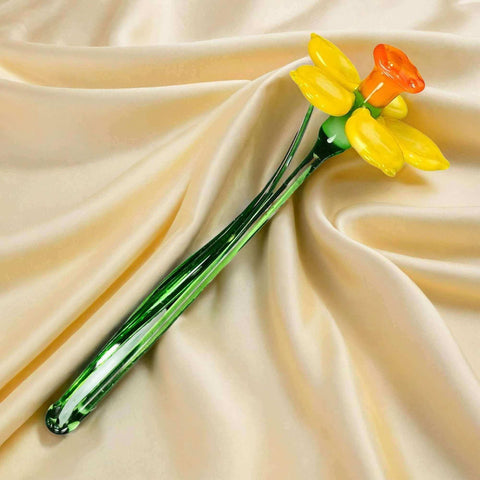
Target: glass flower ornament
[[366, 115]]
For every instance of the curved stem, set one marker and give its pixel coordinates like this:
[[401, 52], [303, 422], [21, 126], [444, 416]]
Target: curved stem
[[171, 286], [179, 289]]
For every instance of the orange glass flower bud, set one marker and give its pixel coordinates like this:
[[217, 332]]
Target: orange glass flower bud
[[393, 74]]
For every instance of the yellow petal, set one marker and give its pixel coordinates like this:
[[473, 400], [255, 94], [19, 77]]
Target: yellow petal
[[322, 91], [418, 150], [331, 59], [397, 108], [373, 142]]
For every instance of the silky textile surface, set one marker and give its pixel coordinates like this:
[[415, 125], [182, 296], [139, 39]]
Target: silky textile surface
[[342, 343]]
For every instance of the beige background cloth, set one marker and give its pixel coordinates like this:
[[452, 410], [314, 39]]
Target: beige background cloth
[[342, 343]]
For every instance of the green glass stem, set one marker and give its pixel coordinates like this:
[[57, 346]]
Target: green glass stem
[[179, 289]]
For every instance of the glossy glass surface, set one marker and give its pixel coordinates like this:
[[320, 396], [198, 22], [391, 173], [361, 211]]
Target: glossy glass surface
[[176, 291], [393, 74]]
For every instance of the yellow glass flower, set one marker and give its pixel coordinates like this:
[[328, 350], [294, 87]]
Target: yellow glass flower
[[369, 113]]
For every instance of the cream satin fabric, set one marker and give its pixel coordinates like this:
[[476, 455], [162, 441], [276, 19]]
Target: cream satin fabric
[[342, 343]]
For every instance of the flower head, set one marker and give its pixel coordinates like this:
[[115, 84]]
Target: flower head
[[367, 115]]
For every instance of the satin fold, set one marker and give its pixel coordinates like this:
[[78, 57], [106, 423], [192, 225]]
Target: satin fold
[[341, 343]]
